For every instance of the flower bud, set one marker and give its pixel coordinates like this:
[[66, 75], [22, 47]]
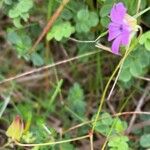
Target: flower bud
[[16, 128]]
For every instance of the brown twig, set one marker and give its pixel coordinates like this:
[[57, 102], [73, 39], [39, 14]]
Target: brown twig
[[47, 67], [138, 108], [49, 24], [140, 125], [115, 115], [144, 78]]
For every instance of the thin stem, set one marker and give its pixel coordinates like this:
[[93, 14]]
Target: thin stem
[[6, 145], [88, 41], [114, 84], [51, 21], [80, 41], [143, 78], [106, 88], [110, 79], [73, 113], [91, 141], [49, 66], [141, 13], [138, 6], [52, 143], [103, 34], [138, 108], [115, 115], [6, 102], [111, 129]]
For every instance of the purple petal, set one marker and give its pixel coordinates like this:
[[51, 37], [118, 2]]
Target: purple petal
[[113, 34], [114, 31], [125, 36], [113, 26], [117, 13], [116, 44]]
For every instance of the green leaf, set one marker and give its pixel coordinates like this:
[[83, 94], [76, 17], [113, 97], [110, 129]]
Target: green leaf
[[24, 16], [131, 6], [144, 141], [21, 7], [136, 68], [86, 20], [125, 75], [143, 57], [76, 99], [67, 14], [20, 11], [119, 142], [135, 64], [13, 13], [8, 2], [105, 21], [17, 23], [93, 19], [104, 13], [105, 10], [60, 30], [103, 129], [24, 6], [147, 44], [13, 37], [106, 119], [83, 15], [21, 42], [82, 28], [119, 126], [145, 40], [37, 59], [104, 124]]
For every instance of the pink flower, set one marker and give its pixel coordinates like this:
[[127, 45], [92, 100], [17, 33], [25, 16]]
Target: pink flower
[[120, 27]]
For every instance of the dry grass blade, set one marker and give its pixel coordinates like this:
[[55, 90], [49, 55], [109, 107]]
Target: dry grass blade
[[47, 67]]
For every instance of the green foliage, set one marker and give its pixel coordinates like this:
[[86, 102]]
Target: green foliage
[[144, 141], [8, 2], [22, 43], [76, 99], [19, 11], [67, 146], [145, 40], [107, 123], [118, 143], [61, 30], [28, 137], [36, 59], [131, 5], [135, 65], [104, 13], [115, 128], [49, 109], [85, 20]]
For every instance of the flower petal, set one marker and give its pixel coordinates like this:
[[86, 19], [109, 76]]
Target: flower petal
[[125, 36], [114, 34], [117, 13], [113, 31], [116, 44]]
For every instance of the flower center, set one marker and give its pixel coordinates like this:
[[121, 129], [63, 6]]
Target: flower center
[[121, 28], [132, 22]]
